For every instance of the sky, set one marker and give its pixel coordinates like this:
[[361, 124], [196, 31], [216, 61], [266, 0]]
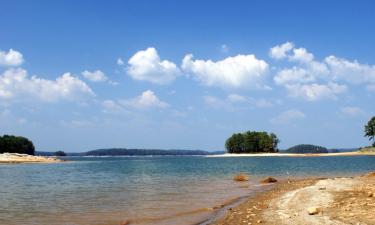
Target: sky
[[83, 75]]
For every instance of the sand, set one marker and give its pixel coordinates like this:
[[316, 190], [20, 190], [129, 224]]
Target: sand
[[337, 201], [24, 158], [293, 154]]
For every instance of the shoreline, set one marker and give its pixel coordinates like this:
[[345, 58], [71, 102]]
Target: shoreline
[[344, 200], [294, 154], [10, 158]]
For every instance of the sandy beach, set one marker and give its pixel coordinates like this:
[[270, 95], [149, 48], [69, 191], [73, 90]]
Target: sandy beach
[[24, 158], [347, 200], [357, 153]]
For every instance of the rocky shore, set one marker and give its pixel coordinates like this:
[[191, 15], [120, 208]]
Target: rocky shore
[[24, 158], [349, 200]]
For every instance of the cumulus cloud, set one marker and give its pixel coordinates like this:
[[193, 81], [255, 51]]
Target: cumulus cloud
[[288, 117], [146, 100], [11, 58], [280, 51], [146, 65], [233, 72], [15, 83], [350, 71], [314, 91], [95, 76], [293, 75], [314, 80]]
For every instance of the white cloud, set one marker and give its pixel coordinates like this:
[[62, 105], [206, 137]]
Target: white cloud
[[120, 62], [352, 111], [95, 76], [315, 80], [314, 91], [301, 55], [146, 65], [11, 58], [146, 100], [237, 71], [293, 75], [288, 117], [15, 83], [110, 106], [279, 51], [351, 72]]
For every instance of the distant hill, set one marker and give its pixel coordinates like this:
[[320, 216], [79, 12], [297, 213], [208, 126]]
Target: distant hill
[[134, 152], [306, 148]]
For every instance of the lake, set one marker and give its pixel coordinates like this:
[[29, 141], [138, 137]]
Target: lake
[[147, 190]]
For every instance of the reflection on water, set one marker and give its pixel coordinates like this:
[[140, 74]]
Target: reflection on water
[[145, 190]]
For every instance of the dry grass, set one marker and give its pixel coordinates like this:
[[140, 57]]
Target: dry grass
[[241, 177]]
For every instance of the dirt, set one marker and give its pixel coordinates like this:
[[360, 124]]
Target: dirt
[[337, 201]]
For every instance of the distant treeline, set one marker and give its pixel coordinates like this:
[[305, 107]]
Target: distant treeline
[[252, 142], [306, 148], [134, 152]]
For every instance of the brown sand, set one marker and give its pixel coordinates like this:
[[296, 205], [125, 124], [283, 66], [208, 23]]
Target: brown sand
[[338, 200], [24, 158]]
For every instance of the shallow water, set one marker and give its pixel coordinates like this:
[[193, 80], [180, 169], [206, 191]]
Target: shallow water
[[146, 190]]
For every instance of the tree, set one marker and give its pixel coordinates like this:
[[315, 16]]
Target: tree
[[306, 148], [60, 153], [16, 144], [251, 142], [370, 130]]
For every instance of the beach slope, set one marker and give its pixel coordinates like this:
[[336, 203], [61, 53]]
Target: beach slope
[[313, 201]]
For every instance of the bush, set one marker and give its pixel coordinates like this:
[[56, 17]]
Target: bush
[[16, 144]]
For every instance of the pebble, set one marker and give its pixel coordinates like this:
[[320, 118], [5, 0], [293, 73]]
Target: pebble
[[313, 210]]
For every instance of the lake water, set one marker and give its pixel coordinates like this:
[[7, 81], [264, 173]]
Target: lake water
[[146, 190]]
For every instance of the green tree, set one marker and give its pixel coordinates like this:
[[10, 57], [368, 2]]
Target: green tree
[[60, 153], [252, 142], [370, 130], [16, 144]]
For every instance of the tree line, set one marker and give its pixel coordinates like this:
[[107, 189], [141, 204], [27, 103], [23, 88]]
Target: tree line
[[252, 142]]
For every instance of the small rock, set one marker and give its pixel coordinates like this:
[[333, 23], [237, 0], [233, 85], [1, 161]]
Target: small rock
[[313, 210], [322, 188], [269, 180], [370, 194], [259, 221]]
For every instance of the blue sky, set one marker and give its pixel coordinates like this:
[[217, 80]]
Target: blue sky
[[81, 75]]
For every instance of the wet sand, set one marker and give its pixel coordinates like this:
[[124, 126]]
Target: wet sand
[[348, 200], [24, 158]]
